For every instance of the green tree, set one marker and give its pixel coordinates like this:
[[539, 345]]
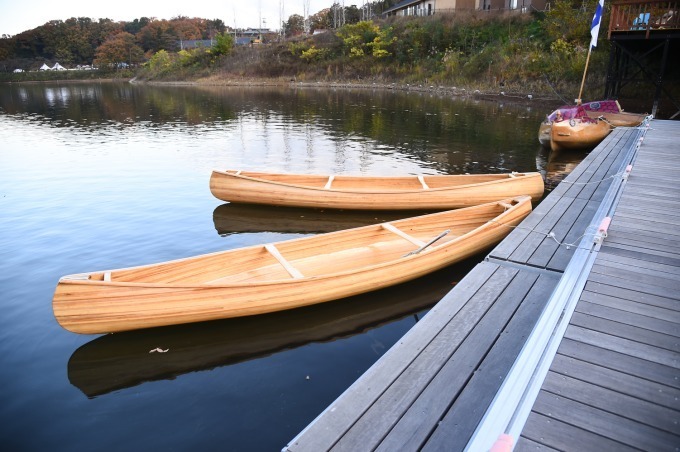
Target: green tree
[[569, 21], [224, 44], [136, 25], [366, 38]]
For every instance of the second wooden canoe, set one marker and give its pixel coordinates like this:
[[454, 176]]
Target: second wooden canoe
[[435, 192], [286, 275]]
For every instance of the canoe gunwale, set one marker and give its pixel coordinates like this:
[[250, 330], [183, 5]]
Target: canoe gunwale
[[517, 176], [496, 221]]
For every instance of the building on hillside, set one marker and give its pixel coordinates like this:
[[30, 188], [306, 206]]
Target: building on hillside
[[195, 44], [431, 7]]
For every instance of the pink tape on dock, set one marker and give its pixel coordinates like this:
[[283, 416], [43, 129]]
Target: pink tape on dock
[[502, 444], [604, 226]]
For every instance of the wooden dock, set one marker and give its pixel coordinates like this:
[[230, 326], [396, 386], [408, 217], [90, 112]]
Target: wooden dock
[[562, 338]]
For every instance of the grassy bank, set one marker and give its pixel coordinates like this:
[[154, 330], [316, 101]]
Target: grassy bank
[[475, 51]]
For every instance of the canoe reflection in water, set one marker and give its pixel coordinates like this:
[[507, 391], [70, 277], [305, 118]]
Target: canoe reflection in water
[[123, 360], [560, 164], [230, 218]]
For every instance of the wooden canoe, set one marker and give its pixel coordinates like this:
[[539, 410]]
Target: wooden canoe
[[286, 275], [437, 192], [579, 133]]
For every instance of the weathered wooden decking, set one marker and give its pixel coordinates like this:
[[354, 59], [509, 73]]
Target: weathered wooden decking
[[615, 381], [443, 384]]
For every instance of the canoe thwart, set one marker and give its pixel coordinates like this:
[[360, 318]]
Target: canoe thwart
[[292, 271], [402, 234], [427, 244]]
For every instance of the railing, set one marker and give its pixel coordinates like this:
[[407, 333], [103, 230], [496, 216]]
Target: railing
[[650, 15]]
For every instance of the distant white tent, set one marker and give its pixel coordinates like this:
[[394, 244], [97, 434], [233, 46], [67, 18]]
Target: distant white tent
[[58, 67], [45, 67], [16, 71]]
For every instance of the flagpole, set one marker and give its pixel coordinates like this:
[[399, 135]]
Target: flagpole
[[583, 81], [594, 31]]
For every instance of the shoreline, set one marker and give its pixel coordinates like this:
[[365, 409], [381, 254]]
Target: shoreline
[[540, 99]]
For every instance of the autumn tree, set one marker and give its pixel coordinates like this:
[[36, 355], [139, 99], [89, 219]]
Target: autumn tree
[[119, 48], [213, 28], [295, 25], [158, 35], [321, 20]]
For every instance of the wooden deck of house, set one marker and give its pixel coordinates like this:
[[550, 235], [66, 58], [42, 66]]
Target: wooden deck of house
[[562, 338]]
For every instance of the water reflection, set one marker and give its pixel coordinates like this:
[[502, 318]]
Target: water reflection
[[447, 135], [559, 165], [123, 360], [238, 218]]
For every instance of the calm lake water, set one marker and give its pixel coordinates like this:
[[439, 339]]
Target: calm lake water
[[101, 176]]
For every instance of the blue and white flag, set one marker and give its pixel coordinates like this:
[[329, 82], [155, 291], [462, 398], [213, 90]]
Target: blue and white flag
[[595, 26]]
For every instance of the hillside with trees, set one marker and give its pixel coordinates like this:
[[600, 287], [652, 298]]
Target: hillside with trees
[[541, 51]]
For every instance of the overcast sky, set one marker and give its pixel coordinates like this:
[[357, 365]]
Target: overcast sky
[[21, 15]]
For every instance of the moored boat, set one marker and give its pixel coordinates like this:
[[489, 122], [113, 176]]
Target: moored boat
[[286, 275], [608, 111], [437, 192], [578, 133]]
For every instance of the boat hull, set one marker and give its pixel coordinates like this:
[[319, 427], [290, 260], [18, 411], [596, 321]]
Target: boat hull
[[372, 193], [578, 134], [248, 281]]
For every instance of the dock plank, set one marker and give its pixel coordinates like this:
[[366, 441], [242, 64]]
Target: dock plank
[[621, 404], [545, 432], [606, 288], [432, 366], [619, 314], [621, 362], [483, 282], [603, 423], [624, 345], [625, 331], [634, 386], [456, 428]]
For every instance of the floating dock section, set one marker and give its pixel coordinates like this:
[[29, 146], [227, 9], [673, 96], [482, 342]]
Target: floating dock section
[[566, 337]]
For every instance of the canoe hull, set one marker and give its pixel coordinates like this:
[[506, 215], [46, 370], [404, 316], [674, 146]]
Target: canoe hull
[[372, 193], [91, 304], [577, 134]]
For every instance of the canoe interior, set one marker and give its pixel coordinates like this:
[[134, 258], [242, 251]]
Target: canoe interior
[[335, 252], [376, 183]]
